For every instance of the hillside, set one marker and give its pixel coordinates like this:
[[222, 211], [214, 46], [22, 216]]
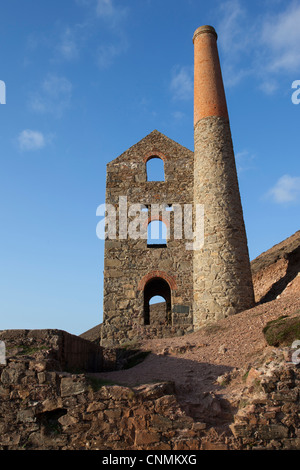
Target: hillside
[[222, 387], [224, 352], [275, 269], [196, 362], [274, 272]]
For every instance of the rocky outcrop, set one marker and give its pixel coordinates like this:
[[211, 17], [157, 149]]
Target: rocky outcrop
[[275, 272], [58, 349], [44, 407], [276, 269], [269, 414]]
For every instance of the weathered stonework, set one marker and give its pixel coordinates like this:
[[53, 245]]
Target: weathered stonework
[[44, 408], [201, 285], [222, 275], [268, 416], [133, 271], [56, 349]]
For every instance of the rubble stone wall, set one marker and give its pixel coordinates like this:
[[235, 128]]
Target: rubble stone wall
[[62, 349], [43, 408], [222, 275], [129, 261], [269, 414]]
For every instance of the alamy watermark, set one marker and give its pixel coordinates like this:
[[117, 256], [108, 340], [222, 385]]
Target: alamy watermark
[[296, 354], [123, 221], [296, 94], [2, 92], [2, 353]]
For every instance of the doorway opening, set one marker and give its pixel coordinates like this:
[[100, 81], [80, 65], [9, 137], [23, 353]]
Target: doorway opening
[[157, 302]]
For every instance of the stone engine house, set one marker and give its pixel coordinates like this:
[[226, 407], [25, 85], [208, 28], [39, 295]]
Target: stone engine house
[[200, 283]]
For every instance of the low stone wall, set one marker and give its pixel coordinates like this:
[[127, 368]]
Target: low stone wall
[[42, 407], [269, 414], [138, 333], [65, 351]]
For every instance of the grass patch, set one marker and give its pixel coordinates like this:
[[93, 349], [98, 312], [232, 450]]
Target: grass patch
[[96, 383], [282, 331], [245, 376], [213, 328], [30, 350], [130, 345], [243, 403], [136, 359]]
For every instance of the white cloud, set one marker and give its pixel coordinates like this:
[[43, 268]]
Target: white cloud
[[54, 96], [281, 34], [182, 83], [178, 115], [107, 9], [31, 140], [260, 47], [231, 27], [234, 39], [83, 2], [107, 53], [112, 15], [287, 189], [67, 47], [244, 161], [269, 87]]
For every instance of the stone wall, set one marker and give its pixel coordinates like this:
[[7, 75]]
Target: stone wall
[[213, 281], [130, 264], [45, 408], [59, 348], [49, 410], [269, 414], [222, 275], [42, 409]]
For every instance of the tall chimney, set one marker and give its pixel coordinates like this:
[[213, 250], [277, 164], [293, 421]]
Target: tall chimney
[[222, 275]]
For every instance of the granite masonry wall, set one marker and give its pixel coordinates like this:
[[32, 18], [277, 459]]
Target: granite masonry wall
[[42, 408], [60, 350], [134, 271], [222, 275], [200, 285]]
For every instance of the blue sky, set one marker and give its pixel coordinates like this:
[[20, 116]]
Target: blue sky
[[85, 80]]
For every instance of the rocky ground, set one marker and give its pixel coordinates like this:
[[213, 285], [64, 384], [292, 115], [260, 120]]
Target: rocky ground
[[221, 387], [200, 363]]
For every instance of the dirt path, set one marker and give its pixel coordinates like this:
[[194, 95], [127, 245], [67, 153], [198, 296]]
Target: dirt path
[[194, 362]]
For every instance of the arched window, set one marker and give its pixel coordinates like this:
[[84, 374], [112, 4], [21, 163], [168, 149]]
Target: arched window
[[157, 234], [155, 169], [157, 302]]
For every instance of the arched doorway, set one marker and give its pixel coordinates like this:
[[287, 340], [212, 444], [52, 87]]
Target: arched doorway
[[157, 314]]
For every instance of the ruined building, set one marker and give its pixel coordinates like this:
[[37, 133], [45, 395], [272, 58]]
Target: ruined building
[[200, 282]]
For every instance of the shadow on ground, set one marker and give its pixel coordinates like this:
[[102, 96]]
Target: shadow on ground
[[196, 386]]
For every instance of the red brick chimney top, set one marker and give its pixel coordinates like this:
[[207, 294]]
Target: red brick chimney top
[[209, 94]]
